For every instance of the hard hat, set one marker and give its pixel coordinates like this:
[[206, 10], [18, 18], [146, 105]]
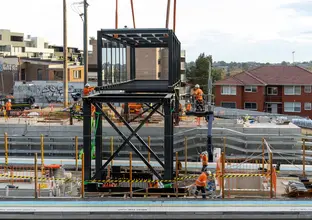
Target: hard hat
[[87, 85], [208, 172], [196, 86], [205, 153], [9, 100]]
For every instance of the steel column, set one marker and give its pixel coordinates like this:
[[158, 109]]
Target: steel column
[[168, 133], [209, 137], [136, 134], [127, 141], [87, 138], [98, 135], [176, 106], [132, 63], [170, 59]]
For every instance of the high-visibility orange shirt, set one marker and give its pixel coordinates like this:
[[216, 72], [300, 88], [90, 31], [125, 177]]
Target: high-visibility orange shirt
[[8, 106], [201, 180], [92, 109], [198, 94], [87, 90], [204, 159], [188, 107]]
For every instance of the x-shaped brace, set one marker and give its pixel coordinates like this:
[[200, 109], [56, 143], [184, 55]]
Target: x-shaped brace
[[127, 140]]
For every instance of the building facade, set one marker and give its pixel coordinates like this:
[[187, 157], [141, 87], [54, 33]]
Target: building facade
[[273, 89], [48, 70], [11, 43]]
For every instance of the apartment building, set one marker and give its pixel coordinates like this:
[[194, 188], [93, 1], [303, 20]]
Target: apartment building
[[273, 89], [11, 43]]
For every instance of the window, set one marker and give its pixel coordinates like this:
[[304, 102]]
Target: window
[[250, 88], [159, 73], [23, 74], [159, 62], [307, 89], [17, 38], [292, 107], [58, 75], [272, 91], [250, 105], [39, 74], [292, 90], [0, 37], [228, 90], [77, 74], [228, 104], [307, 106]]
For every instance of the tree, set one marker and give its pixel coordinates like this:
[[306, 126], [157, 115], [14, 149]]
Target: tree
[[198, 73]]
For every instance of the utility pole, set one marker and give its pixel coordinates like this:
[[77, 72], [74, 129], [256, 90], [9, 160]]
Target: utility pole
[[85, 40], [65, 73], [293, 56]]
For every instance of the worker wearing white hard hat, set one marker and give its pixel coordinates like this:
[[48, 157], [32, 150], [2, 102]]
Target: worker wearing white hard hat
[[198, 93], [204, 159], [87, 89]]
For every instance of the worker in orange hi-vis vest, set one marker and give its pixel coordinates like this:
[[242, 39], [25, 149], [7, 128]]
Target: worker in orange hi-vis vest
[[201, 183], [87, 89], [198, 93], [8, 107], [204, 159]]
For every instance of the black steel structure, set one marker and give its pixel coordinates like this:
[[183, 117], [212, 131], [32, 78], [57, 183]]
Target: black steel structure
[[123, 87]]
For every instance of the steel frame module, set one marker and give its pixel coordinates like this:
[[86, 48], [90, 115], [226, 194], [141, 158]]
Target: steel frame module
[[159, 92]]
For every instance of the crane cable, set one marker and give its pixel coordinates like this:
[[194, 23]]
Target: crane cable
[[132, 9], [174, 14]]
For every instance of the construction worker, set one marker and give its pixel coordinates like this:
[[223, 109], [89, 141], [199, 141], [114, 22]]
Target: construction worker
[[87, 89], [204, 159], [8, 107], [199, 103], [201, 183]]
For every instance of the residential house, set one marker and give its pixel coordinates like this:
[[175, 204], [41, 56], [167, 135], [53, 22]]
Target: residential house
[[273, 89], [41, 69], [11, 43]]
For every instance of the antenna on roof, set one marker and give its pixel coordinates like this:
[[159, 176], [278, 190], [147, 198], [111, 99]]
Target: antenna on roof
[[293, 56]]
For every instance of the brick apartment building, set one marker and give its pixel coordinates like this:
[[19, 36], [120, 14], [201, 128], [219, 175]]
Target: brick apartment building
[[273, 89]]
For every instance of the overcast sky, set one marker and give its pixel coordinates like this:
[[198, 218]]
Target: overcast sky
[[230, 30]]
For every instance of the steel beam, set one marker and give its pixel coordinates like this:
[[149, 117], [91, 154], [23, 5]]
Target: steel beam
[[87, 138], [127, 141], [156, 106], [139, 98], [135, 31]]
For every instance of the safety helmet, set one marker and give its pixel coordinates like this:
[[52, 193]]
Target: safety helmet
[[87, 85], [197, 86], [9, 100], [208, 172], [205, 153]]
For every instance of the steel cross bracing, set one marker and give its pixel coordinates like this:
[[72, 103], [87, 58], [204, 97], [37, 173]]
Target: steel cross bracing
[[158, 100]]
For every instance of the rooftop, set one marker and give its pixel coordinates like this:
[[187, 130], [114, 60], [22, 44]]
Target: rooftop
[[270, 75]]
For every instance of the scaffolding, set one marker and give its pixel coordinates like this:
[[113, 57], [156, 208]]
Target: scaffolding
[[127, 89]]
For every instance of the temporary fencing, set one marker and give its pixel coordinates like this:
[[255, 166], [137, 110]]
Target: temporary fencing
[[261, 174]]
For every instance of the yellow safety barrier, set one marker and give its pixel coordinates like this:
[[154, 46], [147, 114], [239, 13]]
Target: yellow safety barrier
[[124, 180]]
